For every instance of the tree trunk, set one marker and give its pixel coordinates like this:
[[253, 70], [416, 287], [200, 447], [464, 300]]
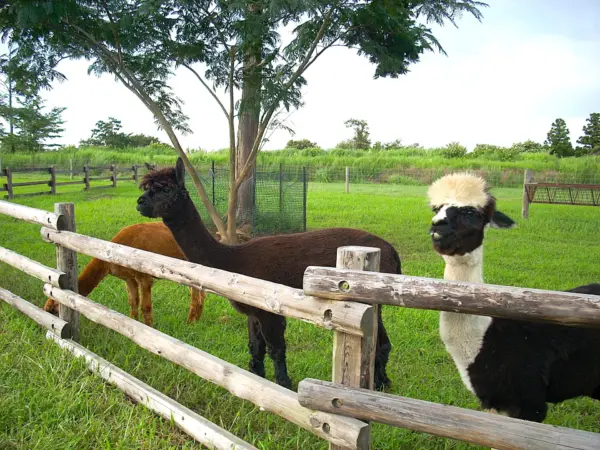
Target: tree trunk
[[249, 120], [247, 132]]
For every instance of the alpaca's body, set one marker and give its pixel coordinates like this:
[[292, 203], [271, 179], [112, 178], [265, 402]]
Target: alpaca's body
[[514, 367], [151, 237], [281, 259]]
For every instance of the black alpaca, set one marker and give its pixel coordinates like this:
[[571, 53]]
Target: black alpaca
[[513, 366], [281, 259]]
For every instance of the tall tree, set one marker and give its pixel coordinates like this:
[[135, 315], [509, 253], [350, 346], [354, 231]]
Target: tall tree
[[590, 141], [30, 126], [361, 133], [232, 46], [558, 139]]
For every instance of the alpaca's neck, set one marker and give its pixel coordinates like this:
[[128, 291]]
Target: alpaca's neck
[[191, 235], [463, 333], [468, 267]]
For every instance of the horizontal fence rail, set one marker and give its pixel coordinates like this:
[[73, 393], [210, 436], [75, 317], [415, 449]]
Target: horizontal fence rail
[[346, 432], [33, 268], [442, 295], [198, 427], [476, 427], [43, 318], [33, 215], [349, 317]]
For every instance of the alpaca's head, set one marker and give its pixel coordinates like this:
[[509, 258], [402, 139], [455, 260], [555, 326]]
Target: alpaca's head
[[463, 207], [164, 190]]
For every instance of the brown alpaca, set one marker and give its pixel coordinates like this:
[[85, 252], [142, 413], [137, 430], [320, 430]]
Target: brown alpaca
[[153, 237], [281, 259]]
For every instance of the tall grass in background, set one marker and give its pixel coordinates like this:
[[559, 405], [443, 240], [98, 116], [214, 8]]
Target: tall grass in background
[[327, 165]]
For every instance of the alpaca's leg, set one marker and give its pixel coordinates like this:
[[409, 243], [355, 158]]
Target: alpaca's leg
[[134, 297], [382, 353], [146, 288], [257, 347], [196, 304], [273, 329]]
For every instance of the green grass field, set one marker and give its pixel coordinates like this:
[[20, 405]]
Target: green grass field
[[48, 400]]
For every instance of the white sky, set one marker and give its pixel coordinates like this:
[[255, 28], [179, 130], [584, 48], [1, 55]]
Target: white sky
[[504, 80]]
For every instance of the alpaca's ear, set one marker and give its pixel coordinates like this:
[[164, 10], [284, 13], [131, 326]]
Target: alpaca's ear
[[180, 172], [501, 220]]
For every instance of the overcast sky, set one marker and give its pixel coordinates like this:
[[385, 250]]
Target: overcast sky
[[504, 80]]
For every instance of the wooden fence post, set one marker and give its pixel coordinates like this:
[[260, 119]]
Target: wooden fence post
[[86, 179], [70, 168], [9, 186], [113, 169], [347, 180], [526, 180], [354, 356], [66, 261], [52, 180], [135, 173]]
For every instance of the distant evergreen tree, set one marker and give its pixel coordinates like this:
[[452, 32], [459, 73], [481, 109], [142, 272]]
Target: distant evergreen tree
[[558, 139]]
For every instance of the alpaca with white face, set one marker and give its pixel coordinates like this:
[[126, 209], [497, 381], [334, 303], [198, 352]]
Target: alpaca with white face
[[513, 367]]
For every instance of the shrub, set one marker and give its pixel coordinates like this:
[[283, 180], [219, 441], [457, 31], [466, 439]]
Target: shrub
[[322, 175], [454, 150], [301, 144]]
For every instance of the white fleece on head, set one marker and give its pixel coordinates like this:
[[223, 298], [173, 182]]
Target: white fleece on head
[[459, 189]]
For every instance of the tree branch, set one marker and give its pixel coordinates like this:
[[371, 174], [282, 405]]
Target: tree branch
[[214, 95], [133, 84]]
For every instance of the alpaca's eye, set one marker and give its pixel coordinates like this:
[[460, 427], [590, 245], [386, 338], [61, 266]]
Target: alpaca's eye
[[166, 190]]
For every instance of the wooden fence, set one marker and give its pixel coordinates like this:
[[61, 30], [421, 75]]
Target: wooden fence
[[343, 299], [89, 176], [558, 193]]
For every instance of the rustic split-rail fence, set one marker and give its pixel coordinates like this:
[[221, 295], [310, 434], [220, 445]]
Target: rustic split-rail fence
[[90, 174], [342, 299]]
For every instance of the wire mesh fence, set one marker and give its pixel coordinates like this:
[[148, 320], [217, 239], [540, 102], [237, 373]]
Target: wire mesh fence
[[410, 176], [271, 201]]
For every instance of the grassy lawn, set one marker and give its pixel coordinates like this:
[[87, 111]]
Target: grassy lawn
[[48, 400]]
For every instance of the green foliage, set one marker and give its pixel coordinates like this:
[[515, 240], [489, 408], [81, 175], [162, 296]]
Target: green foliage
[[322, 175], [301, 144], [558, 139], [30, 126], [360, 140], [530, 146], [142, 42], [590, 140], [109, 134], [392, 145], [454, 150]]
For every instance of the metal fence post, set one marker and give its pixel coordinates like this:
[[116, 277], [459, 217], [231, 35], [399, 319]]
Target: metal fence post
[[86, 179], [304, 194], [347, 179]]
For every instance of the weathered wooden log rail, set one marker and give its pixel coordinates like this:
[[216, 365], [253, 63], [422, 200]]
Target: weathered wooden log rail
[[192, 423], [441, 295], [476, 427], [344, 299], [558, 193], [348, 317]]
